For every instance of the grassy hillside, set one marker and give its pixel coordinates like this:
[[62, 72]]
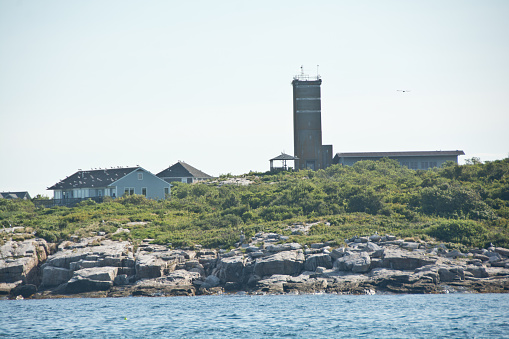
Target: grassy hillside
[[467, 205]]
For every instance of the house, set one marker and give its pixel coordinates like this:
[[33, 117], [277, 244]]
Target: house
[[413, 160], [15, 195], [183, 172], [113, 182]]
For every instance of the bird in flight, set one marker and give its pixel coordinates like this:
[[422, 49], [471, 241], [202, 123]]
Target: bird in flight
[[403, 90]]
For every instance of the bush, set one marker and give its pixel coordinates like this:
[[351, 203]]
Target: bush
[[88, 202], [453, 201], [466, 232]]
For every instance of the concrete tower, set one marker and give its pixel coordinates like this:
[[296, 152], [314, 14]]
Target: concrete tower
[[307, 124]]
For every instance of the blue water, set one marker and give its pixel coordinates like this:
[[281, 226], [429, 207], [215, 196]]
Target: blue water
[[283, 316]]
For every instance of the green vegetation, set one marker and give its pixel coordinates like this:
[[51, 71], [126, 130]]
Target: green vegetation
[[467, 205]]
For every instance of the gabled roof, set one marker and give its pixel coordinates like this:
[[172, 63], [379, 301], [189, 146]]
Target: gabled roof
[[93, 178], [14, 195], [399, 154], [285, 156], [182, 170]]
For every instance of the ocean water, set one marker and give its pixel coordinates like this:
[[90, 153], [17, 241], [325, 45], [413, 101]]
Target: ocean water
[[269, 316]]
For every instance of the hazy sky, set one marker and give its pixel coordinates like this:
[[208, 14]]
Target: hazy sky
[[99, 84]]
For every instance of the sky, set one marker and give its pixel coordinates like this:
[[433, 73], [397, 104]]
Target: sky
[[107, 83]]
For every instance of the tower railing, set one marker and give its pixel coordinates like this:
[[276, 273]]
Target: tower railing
[[305, 77]]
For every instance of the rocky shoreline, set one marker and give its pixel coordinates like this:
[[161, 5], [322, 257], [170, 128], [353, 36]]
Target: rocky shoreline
[[264, 264]]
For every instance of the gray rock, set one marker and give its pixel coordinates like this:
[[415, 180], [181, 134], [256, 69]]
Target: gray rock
[[357, 263], [284, 247], [455, 254], [54, 276], [502, 251], [495, 258], [97, 273], [317, 260], [257, 254], [375, 250], [477, 271], [230, 269], [375, 238], [481, 257], [20, 260], [211, 281], [148, 267], [121, 279], [450, 274], [403, 260], [251, 249], [25, 291], [77, 285], [337, 253], [475, 262], [286, 262], [410, 245], [317, 245]]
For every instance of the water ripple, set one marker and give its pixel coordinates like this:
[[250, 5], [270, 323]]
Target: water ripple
[[289, 316]]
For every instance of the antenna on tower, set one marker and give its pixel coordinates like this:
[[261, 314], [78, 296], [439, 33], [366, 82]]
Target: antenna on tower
[[317, 73]]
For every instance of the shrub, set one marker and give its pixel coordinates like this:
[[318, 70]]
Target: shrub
[[466, 232]]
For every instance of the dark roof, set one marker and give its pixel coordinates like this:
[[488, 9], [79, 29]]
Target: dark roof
[[93, 178], [14, 195], [285, 156], [182, 170], [400, 154]]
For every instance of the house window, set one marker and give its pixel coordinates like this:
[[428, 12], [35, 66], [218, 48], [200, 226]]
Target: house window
[[140, 176], [166, 191], [413, 164], [144, 191], [405, 163], [432, 164], [424, 165], [189, 180], [129, 191]]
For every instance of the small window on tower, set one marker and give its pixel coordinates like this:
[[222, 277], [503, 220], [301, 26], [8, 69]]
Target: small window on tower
[[140, 176]]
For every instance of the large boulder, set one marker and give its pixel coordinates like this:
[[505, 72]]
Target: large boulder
[[20, 260], [450, 274], [284, 247], [25, 291], [374, 250], [403, 260], [286, 263], [91, 280], [230, 269], [54, 276], [477, 271], [502, 251], [149, 267], [356, 262], [211, 281], [337, 253], [317, 260], [75, 286]]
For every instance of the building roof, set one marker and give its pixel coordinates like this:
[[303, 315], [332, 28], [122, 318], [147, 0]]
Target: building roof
[[285, 156], [14, 195], [182, 170], [399, 154], [93, 178]]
